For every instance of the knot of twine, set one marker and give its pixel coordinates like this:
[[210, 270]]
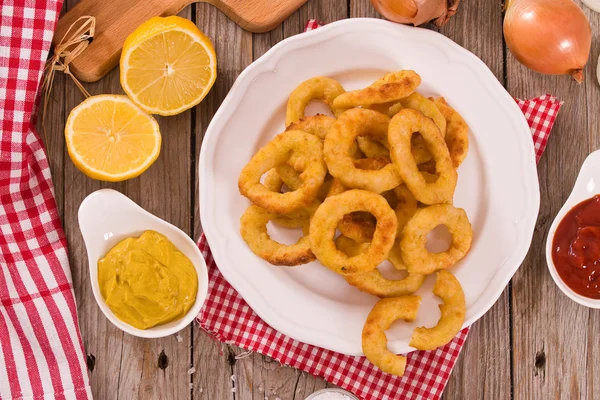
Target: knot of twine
[[74, 42]]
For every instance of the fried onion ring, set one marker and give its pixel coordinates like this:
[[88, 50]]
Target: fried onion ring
[[277, 152], [391, 87], [281, 175], [395, 109], [421, 103], [400, 132], [414, 238], [359, 226], [324, 223], [373, 148], [381, 317], [406, 207], [339, 140], [253, 228], [318, 88], [453, 311], [298, 218], [457, 133], [373, 282], [317, 125]]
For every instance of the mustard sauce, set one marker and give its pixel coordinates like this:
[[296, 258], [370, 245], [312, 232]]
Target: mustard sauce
[[147, 281]]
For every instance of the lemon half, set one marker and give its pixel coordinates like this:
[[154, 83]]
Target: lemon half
[[111, 139], [167, 65]]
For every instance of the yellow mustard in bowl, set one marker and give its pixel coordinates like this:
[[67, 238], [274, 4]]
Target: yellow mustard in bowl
[[147, 281]]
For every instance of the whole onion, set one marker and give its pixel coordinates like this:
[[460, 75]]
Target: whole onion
[[417, 12], [549, 36]]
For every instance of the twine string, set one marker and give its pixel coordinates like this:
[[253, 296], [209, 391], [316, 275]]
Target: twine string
[[74, 42]]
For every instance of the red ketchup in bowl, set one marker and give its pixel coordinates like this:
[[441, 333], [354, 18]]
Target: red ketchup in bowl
[[576, 248]]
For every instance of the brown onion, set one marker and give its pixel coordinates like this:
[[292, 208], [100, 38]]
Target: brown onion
[[549, 36], [417, 12]]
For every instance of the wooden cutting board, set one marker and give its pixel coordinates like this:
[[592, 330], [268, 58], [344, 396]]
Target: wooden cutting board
[[116, 19]]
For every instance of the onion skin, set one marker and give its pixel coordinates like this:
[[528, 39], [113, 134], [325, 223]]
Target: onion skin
[[417, 12], [548, 36]]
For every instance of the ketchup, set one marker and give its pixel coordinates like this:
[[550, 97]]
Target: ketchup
[[576, 248]]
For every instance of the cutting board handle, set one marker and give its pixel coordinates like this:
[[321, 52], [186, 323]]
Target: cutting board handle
[[116, 19]]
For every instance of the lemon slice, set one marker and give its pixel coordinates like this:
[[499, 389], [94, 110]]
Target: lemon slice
[[167, 65], [111, 139]]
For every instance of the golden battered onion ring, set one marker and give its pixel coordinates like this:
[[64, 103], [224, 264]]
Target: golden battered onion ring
[[324, 223], [281, 175], [277, 152], [373, 282], [400, 132], [395, 109], [427, 107], [284, 174], [457, 133], [391, 87], [339, 140], [453, 311], [373, 148], [359, 226], [428, 166], [253, 228], [420, 103], [414, 238], [406, 207], [298, 218], [381, 317], [317, 125], [318, 88], [336, 188], [383, 108]]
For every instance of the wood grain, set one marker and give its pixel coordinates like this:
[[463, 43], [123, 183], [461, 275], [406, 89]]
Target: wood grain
[[484, 358], [551, 351], [215, 361], [102, 54], [533, 344]]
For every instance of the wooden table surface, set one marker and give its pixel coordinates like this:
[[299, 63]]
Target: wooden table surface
[[534, 343]]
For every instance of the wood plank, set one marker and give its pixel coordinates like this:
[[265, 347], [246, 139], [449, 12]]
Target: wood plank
[[593, 93], [362, 9], [213, 360], [122, 365], [483, 369], [52, 133], [258, 375], [551, 343]]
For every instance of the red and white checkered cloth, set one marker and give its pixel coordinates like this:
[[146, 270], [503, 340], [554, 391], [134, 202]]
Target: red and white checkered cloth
[[229, 318], [41, 353]]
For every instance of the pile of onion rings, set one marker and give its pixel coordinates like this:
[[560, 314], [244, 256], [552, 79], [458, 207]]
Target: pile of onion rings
[[366, 185]]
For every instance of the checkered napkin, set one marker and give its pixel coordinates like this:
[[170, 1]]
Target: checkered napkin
[[41, 353], [229, 318]]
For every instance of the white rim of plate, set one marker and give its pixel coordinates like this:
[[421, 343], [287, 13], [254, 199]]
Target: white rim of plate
[[268, 62]]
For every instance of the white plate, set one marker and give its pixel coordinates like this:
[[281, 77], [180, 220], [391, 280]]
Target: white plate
[[497, 185]]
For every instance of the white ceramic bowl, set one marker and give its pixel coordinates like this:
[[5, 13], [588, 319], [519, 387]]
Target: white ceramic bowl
[[105, 218], [497, 185], [587, 185]]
